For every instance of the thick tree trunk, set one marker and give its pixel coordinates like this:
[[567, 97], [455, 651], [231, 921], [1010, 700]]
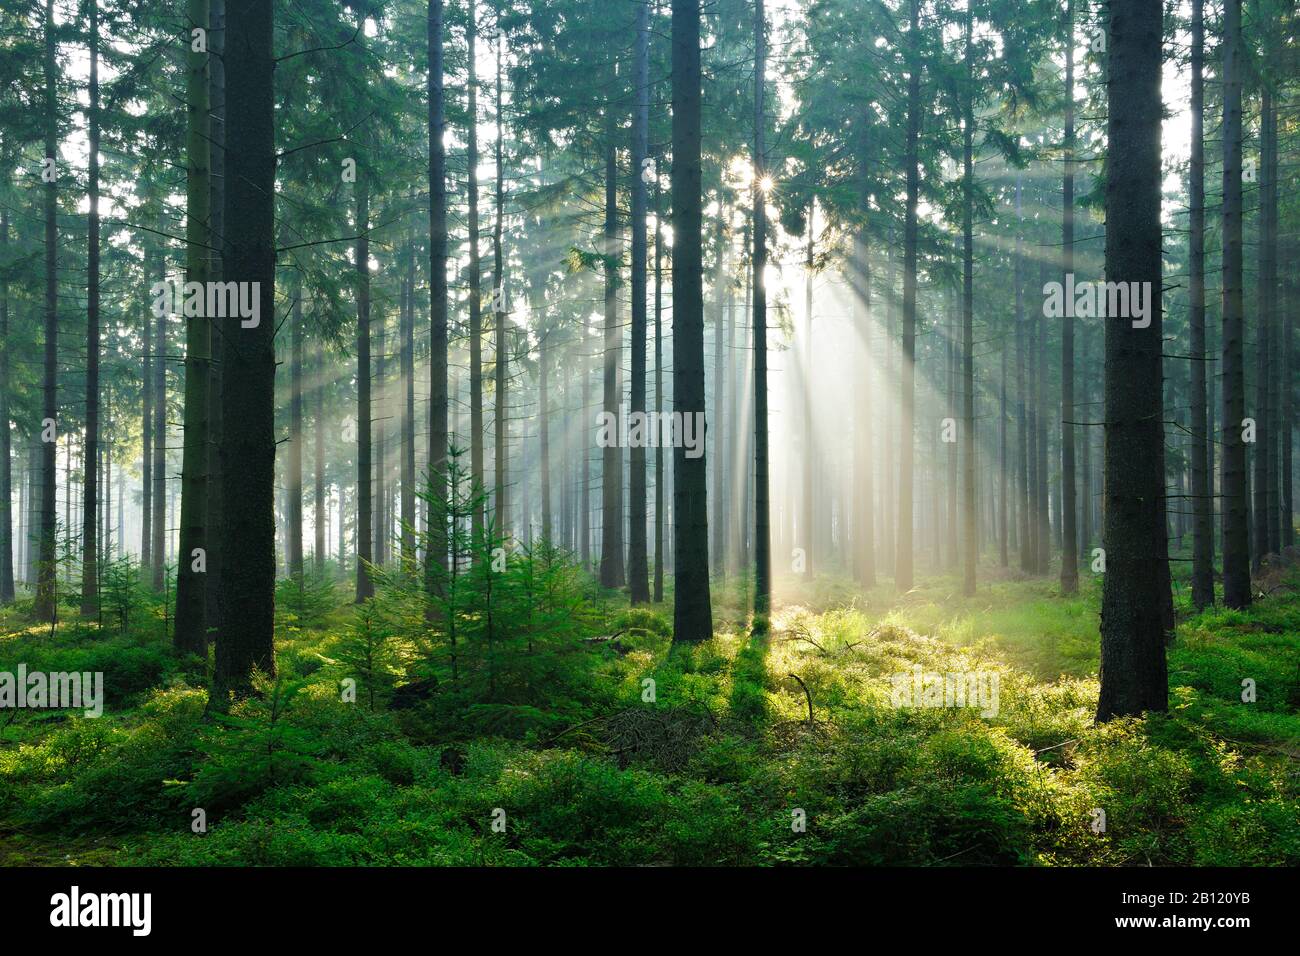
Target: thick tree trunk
[[191, 566], [692, 610], [1236, 533], [248, 355], [1133, 677]]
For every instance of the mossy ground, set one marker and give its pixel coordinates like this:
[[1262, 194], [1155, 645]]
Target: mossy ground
[[713, 771]]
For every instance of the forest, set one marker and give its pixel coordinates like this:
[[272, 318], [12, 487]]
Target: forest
[[627, 433]]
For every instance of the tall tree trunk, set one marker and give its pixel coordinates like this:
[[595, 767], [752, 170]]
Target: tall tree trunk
[[294, 463], [864, 539], [435, 561], [1202, 526], [1069, 529], [808, 519], [1133, 677], [721, 423], [969, 505], [762, 495], [611, 472], [248, 355], [904, 557], [380, 524], [217, 213], [692, 607], [46, 583], [1024, 431], [365, 467], [89, 518], [501, 330], [659, 399], [161, 532], [1268, 298], [1236, 543], [475, 274], [408, 410], [7, 590], [637, 571], [320, 507], [146, 433], [191, 592]]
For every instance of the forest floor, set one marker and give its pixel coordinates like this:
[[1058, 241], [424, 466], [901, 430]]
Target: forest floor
[[718, 761]]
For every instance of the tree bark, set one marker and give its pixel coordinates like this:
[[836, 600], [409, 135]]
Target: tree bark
[[1133, 676], [904, 557], [1202, 525], [637, 572], [762, 499], [246, 640], [1236, 543], [1069, 529], [191, 635], [692, 610]]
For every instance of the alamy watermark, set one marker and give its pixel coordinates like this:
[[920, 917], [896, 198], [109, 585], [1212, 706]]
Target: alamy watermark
[[54, 690], [651, 430], [921, 688], [213, 300], [1100, 300]]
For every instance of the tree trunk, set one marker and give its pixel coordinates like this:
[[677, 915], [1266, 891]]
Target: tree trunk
[[217, 213], [191, 635], [762, 498], [904, 557], [611, 472], [7, 591], [659, 399], [248, 355], [720, 420], [692, 610], [1069, 529], [46, 606], [1133, 677], [1236, 543], [90, 486], [1202, 526], [436, 476], [365, 467], [475, 275], [638, 583], [501, 329], [969, 506], [159, 522], [294, 463]]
